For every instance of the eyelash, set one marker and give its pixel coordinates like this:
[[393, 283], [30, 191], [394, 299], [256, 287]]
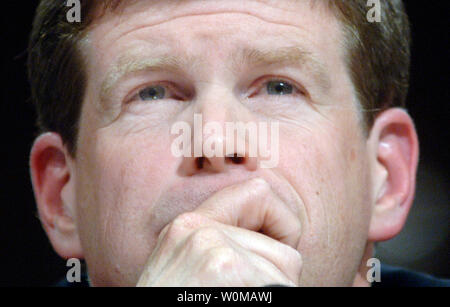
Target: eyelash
[[260, 84]]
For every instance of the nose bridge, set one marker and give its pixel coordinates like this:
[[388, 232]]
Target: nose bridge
[[217, 107], [216, 102], [215, 147]]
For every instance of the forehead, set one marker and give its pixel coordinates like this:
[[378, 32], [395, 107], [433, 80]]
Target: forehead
[[297, 16], [212, 31]]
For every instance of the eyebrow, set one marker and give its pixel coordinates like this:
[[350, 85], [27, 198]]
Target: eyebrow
[[130, 63], [289, 55]]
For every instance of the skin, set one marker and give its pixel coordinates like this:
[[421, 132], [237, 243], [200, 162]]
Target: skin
[[139, 215]]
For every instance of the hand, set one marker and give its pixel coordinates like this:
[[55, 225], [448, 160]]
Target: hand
[[219, 243]]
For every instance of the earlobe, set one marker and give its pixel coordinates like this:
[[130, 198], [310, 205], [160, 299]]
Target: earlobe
[[53, 188], [394, 146]]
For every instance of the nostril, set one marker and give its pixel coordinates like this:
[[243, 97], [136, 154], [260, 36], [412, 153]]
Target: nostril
[[236, 159], [199, 162]]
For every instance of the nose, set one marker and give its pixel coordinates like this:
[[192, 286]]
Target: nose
[[216, 145], [217, 164]]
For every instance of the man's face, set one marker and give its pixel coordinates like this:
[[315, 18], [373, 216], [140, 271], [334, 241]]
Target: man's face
[[218, 59]]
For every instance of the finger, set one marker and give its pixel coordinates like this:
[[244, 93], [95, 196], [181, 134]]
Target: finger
[[253, 206], [286, 259], [255, 269]]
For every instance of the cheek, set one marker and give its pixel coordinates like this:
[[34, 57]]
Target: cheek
[[120, 179], [328, 170]]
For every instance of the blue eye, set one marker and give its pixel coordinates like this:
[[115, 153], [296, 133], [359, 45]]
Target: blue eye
[[279, 88], [152, 93]]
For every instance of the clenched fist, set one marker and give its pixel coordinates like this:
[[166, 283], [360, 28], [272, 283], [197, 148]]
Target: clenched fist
[[243, 235]]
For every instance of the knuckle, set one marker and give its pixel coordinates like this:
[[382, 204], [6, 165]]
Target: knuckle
[[204, 237], [262, 186], [221, 259], [188, 220], [181, 224]]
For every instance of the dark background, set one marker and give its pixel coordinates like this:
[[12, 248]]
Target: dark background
[[26, 257]]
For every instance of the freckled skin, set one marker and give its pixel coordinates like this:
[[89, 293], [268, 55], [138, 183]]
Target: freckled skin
[[127, 182]]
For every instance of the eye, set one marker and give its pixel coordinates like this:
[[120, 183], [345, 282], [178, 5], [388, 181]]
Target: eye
[[279, 87], [160, 91], [152, 93], [276, 86]]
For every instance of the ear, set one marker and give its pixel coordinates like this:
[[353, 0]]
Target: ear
[[394, 150], [54, 190]]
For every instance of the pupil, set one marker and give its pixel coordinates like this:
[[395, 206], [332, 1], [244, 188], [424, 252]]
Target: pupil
[[279, 88], [152, 93]]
